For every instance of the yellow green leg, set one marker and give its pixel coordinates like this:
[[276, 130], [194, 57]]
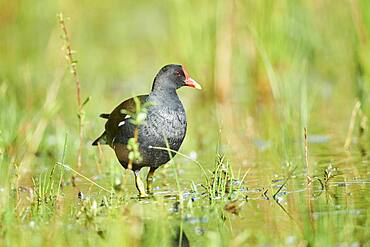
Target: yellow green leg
[[149, 180], [139, 184]]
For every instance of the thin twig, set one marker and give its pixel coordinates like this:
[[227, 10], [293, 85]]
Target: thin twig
[[62, 162], [244, 176], [285, 182], [83, 176], [185, 156], [175, 168], [73, 65]]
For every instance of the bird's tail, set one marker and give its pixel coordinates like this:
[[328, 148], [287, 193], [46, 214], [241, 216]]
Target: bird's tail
[[102, 140]]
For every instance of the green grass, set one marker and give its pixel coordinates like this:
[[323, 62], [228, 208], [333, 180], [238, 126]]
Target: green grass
[[268, 69]]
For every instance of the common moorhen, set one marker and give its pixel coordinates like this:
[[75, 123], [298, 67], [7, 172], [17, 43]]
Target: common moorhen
[[164, 125]]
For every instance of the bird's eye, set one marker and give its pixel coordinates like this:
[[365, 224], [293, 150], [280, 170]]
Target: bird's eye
[[177, 73]]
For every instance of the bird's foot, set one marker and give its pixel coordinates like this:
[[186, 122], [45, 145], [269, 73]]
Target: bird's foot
[[143, 195], [140, 185], [149, 189], [149, 180]]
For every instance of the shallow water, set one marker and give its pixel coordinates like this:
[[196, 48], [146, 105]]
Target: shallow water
[[274, 204], [344, 197]]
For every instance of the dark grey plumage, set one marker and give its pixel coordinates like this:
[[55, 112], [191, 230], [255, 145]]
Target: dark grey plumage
[[166, 119], [165, 122]]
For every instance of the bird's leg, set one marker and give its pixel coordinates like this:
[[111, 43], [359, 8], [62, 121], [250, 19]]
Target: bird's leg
[[149, 180], [139, 184]]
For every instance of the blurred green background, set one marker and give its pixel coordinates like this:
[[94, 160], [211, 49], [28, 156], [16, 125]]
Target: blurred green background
[[261, 63], [268, 69]]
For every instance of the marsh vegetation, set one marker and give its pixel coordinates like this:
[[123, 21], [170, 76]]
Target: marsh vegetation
[[277, 145]]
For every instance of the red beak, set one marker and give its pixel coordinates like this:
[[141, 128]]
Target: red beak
[[189, 81]]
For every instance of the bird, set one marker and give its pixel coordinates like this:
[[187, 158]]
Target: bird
[[161, 133]]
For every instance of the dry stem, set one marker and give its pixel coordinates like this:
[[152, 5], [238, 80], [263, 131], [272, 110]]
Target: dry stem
[[73, 64], [351, 126], [309, 182], [309, 173]]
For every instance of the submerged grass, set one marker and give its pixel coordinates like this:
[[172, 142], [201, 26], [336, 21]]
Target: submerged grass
[[269, 70]]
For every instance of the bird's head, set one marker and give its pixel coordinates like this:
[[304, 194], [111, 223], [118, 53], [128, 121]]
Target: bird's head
[[174, 76]]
